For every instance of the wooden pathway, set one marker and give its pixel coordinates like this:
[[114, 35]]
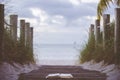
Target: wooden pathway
[[77, 72]]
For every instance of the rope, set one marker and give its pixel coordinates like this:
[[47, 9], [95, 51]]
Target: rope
[[7, 23]]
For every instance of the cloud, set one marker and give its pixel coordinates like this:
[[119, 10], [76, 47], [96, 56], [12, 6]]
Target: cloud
[[58, 7], [89, 1], [59, 35], [75, 2], [57, 20]]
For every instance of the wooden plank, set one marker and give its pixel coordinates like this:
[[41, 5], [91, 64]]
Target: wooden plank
[[77, 72]]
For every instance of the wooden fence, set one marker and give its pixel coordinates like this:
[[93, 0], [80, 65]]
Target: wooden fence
[[26, 32], [106, 33]]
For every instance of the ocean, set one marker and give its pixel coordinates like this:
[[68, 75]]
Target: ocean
[[57, 54]]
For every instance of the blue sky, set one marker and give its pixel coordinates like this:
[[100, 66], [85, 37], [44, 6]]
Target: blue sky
[[57, 21]]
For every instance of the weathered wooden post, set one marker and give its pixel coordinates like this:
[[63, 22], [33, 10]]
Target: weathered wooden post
[[91, 30], [22, 32], [31, 38], [92, 38], [27, 34], [1, 29], [97, 29], [117, 35], [106, 30], [13, 28]]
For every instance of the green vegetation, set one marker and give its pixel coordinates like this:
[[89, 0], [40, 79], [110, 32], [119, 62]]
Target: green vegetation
[[15, 51], [88, 49], [103, 6], [11, 50], [97, 52]]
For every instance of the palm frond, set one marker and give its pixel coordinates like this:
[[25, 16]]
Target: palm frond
[[102, 6], [117, 2]]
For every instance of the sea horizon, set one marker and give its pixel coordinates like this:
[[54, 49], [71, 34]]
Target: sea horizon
[[57, 54]]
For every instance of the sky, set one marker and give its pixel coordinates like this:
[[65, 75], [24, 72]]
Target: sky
[[57, 21]]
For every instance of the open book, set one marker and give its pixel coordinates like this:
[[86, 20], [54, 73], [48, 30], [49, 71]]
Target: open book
[[59, 75]]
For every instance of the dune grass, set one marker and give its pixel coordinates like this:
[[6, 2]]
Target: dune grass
[[15, 51], [97, 52]]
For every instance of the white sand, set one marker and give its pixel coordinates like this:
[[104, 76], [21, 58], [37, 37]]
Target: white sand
[[10, 72], [112, 71]]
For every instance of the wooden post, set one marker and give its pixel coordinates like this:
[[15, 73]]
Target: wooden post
[[22, 32], [91, 40], [31, 38], [1, 29], [97, 35], [106, 30], [27, 34], [117, 35], [91, 32], [13, 28]]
